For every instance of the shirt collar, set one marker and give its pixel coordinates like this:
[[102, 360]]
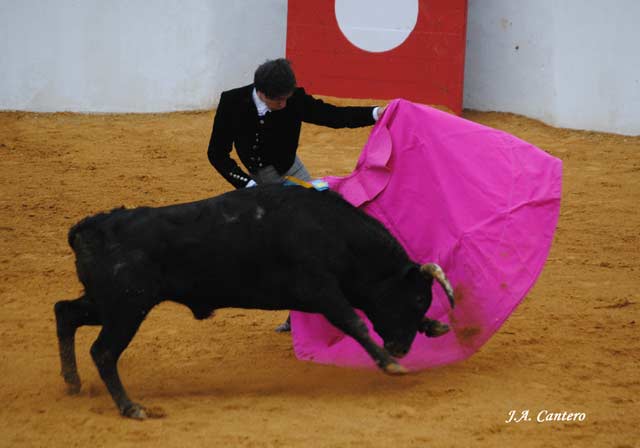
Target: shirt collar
[[260, 105]]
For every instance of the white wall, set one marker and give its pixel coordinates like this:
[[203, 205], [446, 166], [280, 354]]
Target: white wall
[[576, 65], [132, 55], [569, 63]]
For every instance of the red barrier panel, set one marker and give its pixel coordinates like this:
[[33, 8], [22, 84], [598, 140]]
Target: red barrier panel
[[335, 51]]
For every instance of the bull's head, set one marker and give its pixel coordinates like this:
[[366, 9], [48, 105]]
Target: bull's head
[[400, 312]]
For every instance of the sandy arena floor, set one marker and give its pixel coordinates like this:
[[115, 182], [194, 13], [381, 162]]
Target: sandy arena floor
[[231, 381]]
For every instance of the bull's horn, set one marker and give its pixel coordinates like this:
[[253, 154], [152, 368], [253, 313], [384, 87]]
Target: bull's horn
[[435, 271]]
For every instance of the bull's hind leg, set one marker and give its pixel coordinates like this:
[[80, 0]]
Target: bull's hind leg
[[117, 332], [71, 314]]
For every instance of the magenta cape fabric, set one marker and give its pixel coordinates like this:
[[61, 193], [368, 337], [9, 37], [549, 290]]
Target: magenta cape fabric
[[480, 202]]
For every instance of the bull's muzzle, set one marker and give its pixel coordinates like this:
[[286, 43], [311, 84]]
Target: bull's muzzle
[[434, 271], [432, 328]]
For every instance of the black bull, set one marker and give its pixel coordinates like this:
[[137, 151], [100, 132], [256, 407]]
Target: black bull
[[271, 248]]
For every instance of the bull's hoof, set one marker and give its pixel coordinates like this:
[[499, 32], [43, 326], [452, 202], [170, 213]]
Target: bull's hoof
[[73, 383], [73, 388], [135, 411], [436, 329], [395, 369]]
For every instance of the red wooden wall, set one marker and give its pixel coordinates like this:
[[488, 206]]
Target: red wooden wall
[[428, 67]]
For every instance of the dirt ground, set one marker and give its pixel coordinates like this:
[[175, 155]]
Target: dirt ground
[[572, 346]]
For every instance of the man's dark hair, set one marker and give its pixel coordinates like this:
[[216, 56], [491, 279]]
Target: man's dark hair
[[275, 78]]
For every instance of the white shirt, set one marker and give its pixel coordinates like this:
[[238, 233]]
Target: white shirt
[[260, 105], [263, 108]]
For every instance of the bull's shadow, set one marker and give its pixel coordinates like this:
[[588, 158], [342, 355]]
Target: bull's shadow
[[236, 354]]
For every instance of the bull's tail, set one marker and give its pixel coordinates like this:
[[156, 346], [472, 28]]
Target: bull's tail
[[89, 227], [82, 234], [88, 239]]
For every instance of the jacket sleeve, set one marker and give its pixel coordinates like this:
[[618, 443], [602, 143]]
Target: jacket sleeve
[[221, 144], [318, 112]]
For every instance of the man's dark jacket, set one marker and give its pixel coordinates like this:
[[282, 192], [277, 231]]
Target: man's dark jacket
[[272, 139]]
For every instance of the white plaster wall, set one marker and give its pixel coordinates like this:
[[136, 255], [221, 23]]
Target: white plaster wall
[[569, 63], [132, 55]]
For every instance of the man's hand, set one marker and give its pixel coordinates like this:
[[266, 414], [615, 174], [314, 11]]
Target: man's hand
[[378, 111]]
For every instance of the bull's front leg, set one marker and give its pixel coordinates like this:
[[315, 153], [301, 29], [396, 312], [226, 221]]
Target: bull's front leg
[[356, 328], [343, 316]]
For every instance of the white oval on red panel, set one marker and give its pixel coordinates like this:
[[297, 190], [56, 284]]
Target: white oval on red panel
[[376, 25]]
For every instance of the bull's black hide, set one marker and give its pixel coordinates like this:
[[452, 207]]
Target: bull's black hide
[[269, 248]]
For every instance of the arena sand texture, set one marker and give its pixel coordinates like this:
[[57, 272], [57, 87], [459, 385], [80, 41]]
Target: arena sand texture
[[572, 346]]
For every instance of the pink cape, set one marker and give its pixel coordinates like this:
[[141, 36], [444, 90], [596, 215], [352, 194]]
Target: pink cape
[[481, 203]]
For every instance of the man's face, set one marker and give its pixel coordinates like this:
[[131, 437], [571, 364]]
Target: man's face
[[274, 103]]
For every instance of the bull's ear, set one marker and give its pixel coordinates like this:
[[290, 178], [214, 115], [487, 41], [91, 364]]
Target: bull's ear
[[415, 277]]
